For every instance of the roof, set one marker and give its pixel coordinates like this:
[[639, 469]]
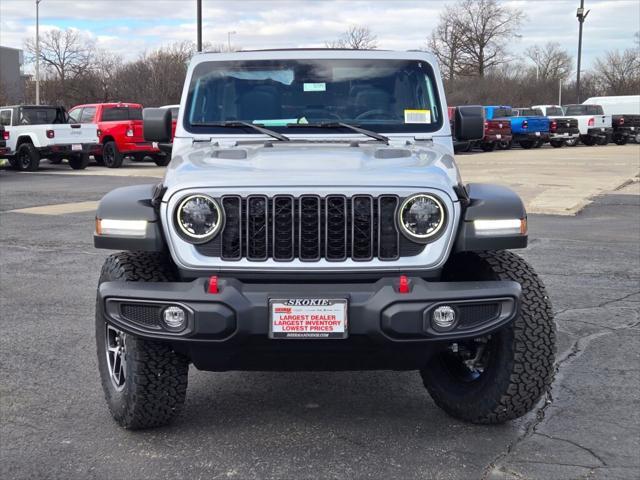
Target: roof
[[110, 104], [32, 106], [314, 53]]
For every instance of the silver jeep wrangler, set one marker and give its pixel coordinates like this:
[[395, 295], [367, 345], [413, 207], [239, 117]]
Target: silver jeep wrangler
[[313, 218]]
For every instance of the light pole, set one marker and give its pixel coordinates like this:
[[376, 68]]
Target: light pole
[[229, 39], [38, 52], [582, 15], [199, 9]]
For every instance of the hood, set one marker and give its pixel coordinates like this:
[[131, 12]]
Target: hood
[[313, 164]]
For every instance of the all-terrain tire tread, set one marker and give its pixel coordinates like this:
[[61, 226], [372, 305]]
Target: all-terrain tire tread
[[159, 384], [531, 359]]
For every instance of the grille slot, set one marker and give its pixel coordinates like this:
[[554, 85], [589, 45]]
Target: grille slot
[[310, 228], [388, 234], [336, 228], [232, 233], [257, 231], [283, 226], [362, 227]]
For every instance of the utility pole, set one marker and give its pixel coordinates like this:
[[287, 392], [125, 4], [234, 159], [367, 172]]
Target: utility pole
[[582, 15], [199, 8], [560, 93], [229, 39], [38, 52]]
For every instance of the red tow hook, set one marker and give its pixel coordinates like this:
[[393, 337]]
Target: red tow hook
[[212, 285], [403, 285]]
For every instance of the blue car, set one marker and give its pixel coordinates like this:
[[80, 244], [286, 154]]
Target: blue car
[[529, 129]]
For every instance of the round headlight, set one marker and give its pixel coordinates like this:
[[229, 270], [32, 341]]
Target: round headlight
[[421, 217], [199, 218]]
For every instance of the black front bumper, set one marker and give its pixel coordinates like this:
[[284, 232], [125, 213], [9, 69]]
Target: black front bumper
[[386, 329]]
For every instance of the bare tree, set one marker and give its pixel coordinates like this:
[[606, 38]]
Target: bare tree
[[487, 26], [446, 43], [105, 70], [357, 37], [66, 54], [618, 73], [552, 62]]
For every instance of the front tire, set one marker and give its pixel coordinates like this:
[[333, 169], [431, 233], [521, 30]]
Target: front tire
[[144, 381], [527, 144], [556, 143], [517, 361]]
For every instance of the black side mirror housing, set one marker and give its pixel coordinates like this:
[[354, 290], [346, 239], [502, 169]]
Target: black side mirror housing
[[157, 125], [469, 123]]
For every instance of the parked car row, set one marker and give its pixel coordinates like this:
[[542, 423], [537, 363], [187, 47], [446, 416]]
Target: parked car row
[[112, 131], [107, 131], [617, 120]]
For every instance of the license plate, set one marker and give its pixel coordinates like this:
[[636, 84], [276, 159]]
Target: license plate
[[633, 129], [76, 147], [305, 318], [154, 144], [498, 136], [537, 134], [602, 129]]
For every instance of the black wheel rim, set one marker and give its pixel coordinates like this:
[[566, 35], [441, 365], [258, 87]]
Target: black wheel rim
[[108, 156], [24, 159], [115, 345]]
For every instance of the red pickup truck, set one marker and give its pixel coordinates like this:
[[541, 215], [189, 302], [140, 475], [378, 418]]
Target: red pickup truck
[[497, 133], [119, 133]]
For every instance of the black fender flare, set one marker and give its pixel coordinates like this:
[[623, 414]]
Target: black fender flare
[[488, 201], [136, 202]]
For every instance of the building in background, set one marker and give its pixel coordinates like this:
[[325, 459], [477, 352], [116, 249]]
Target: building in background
[[12, 80]]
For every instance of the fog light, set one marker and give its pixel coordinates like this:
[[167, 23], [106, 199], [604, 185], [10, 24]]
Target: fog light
[[174, 318], [443, 317]]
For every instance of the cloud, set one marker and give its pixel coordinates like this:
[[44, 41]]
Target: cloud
[[131, 27]]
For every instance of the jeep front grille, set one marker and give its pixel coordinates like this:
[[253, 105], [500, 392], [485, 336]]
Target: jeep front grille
[[309, 228]]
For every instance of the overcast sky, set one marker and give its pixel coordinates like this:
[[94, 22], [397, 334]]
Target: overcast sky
[[129, 27]]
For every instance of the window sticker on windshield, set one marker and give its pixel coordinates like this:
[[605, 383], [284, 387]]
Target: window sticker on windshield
[[417, 116], [315, 87]]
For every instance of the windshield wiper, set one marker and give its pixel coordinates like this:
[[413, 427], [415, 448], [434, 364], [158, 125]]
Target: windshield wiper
[[239, 123], [363, 131]]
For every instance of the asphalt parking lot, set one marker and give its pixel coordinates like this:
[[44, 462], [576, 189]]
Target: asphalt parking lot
[[379, 425]]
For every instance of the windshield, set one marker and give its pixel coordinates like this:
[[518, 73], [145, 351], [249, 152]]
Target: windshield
[[503, 112], [584, 110], [529, 112], [554, 111], [119, 114], [380, 95], [41, 116]]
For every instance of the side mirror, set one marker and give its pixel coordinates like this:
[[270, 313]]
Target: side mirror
[[157, 125], [469, 123]]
